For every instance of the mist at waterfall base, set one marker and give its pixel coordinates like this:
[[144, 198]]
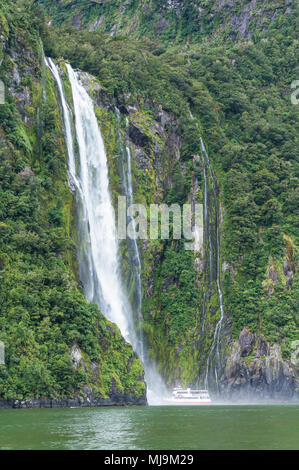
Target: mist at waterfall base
[[97, 248]]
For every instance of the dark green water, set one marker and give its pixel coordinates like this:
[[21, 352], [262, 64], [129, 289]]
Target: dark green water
[[153, 428]]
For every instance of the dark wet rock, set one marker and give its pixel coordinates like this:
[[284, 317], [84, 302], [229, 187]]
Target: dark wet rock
[[157, 149], [289, 272], [115, 399], [123, 109], [164, 117], [263, 347], [161, 24], [137, 135], [157, 129], [19, 92], [142, 160], [250, 16], [256, 370], [6, 404], [77, 21], [246, 341], [24, 69]]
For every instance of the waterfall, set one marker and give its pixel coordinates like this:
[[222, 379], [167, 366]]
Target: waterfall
[[215, 349], [157, 390], [125, 164], [98, 259], [98, 244], [212, 253]]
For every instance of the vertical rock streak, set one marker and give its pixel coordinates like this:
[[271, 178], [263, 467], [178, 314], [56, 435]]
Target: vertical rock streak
[[208, 204]]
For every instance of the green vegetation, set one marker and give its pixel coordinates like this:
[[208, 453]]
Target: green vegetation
[[43, 311], [237, 84]]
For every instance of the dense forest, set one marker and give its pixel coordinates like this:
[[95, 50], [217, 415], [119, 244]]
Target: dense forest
[[178, 70]]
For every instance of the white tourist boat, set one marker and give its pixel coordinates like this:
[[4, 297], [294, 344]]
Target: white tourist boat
[[188, 396]]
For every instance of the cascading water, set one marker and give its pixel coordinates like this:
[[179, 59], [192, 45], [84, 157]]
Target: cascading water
[[98, 247], [133, 250], [212, 243], [157, 390], [98, 243], [215, 349]]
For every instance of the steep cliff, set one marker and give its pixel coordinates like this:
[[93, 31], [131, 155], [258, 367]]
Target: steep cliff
[[171, 20], [231, 64], [59, 350]]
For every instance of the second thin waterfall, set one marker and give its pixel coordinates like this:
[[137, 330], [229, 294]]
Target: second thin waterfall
[[156, 391], [214, 270], [125, 167]]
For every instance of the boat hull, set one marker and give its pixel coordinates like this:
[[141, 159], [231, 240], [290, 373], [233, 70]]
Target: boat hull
[[188, 402]]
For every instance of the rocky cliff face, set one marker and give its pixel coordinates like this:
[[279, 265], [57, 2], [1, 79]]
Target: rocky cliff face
[[255, 369], [238, 95], [47, 362], [181, 304], [236, 18]]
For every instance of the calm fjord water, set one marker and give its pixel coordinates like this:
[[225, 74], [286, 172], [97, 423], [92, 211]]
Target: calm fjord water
[[153, 428]]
